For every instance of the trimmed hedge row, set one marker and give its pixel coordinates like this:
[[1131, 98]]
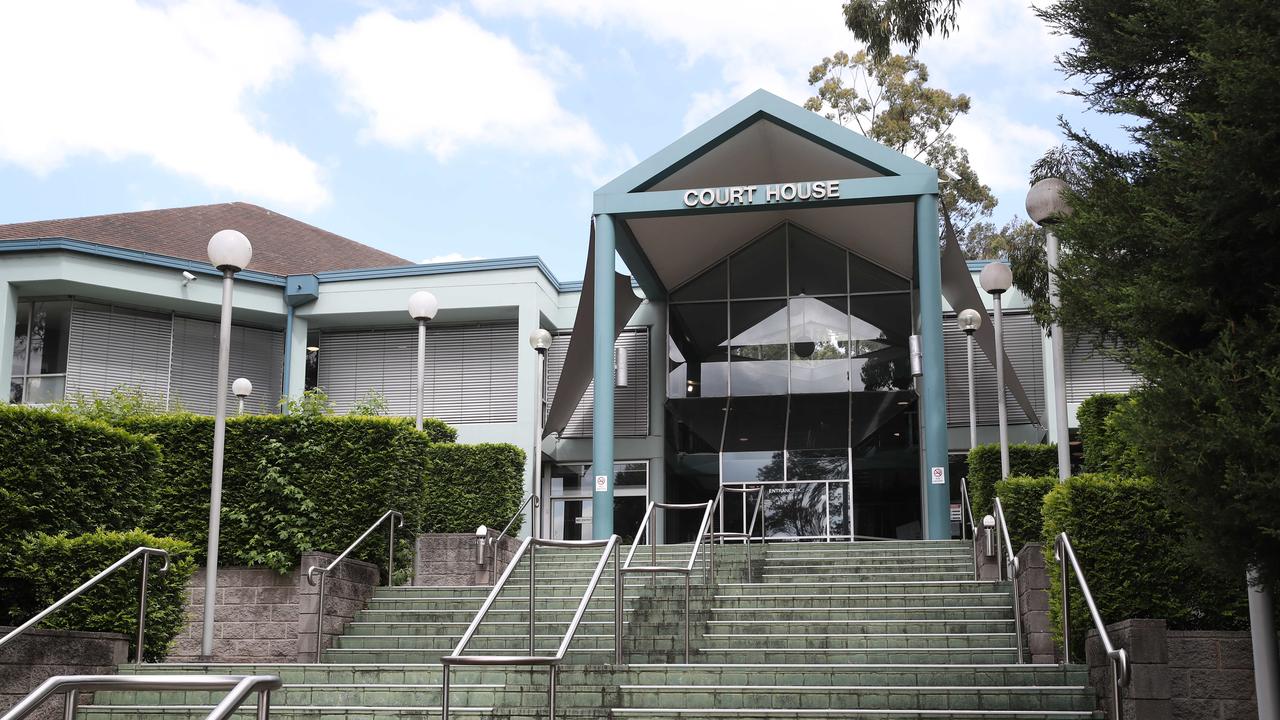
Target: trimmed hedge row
[[50, 566], [1023, 499], [1108, 436], [1024, 460], [1130, 547], [473, 485], [70, 474]]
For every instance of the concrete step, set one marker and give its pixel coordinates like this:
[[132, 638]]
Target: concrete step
[[858, 641]]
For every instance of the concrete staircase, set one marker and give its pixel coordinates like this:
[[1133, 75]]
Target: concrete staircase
[[828, 630]]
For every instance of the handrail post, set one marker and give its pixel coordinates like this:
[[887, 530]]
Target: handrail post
[[686, 619], [320, 615], [532, 565], [391, 552], [1066, 602], [264, 704], [551, 693], [142, 608], [619, 595], [444, 691], [69, 706]]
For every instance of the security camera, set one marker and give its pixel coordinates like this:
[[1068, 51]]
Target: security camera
[[187, 278]]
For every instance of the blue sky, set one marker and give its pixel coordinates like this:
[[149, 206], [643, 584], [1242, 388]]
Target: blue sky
[[475, 128]]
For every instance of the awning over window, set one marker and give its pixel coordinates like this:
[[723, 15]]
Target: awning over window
[[577, 372], [958, 289]]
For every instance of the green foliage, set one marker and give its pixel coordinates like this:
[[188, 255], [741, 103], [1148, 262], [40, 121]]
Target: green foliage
[[1022, 499], [887, 98], [439, 431], [473, 485], [1091, 416], [71, 474], [1173, 248], [53, 565], [1130, 546], [291, 483], [1109, 435], [880, 23], [121, 403], [1024, 459], [311, 403], [373, 403]]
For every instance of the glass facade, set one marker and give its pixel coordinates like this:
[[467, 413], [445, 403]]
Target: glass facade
[[41, 330], [788, 369], [569, 503]]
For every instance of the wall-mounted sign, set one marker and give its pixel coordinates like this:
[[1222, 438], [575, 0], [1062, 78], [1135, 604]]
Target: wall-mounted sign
[[602, 483], [752, 194]]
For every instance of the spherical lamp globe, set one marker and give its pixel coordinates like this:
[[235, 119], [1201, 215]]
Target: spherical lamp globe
[[969, 320], [1047, 202], [423, 305], [242, 388], [230, 250], [996, 278], [540, 340]]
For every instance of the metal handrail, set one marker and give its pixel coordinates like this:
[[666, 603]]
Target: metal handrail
[[239, 685], [146, 553], [966, 506], [747, 536], [551, 661], [653, 568], [324, 571], [1118, 657], [1012, 568], [492, 542]]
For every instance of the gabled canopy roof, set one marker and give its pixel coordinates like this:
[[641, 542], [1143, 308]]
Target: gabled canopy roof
[[763, 140]]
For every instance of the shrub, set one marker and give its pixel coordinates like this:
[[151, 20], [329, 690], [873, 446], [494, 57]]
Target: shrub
[[1024, 460], [291, 483], [1022, 499], [53, 565], [473, 485], [121, 403], [373, 403], [1130, 547], [1091, 417], [65, 473]]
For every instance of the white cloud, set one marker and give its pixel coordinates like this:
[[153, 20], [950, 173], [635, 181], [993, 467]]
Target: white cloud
[[1002, 149], [444, 84], [450, 257], [166, 82]]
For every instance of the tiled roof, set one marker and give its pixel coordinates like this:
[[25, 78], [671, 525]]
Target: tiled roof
[[281, 245]]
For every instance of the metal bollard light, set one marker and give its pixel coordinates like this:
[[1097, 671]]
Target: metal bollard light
[[989, 535], [482, 539]]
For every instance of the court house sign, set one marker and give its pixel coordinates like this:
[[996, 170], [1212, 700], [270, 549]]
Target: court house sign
[[775, 193]]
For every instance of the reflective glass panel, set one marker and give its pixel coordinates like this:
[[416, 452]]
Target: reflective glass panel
[[795, 510], [48, 342], [827, 464], [571, 519], [816, 267], [631, 475], [628, 513], [751, 466], [819, 344], [868, 277], [569, 480], [818, 421], [881, 325], [21, 325], [15, 392], [758, 347], [838, 503], [43, 390], [760, 269], [710, 285], [697, 350]]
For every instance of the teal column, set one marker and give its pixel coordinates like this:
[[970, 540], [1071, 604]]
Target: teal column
[[933, 390], [602, 375]]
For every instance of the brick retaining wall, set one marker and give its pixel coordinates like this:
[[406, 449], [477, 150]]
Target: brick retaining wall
[[39, 654], [450, 559]]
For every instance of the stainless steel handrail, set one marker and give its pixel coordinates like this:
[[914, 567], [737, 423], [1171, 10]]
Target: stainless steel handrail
[[492, 542], [966, 506], [551, 661], [1011, 570], [747, 536], [239, 685], [653, 568], [324, 571], [146, 553], [1118, 657]]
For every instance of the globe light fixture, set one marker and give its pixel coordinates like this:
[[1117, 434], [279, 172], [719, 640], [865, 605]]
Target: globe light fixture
[[996, 279], [422, 307], [1047, 205], [242, 389], [229, 251], [969, 321], [540, 340]]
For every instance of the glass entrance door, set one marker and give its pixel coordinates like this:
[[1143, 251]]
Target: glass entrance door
[[569, 504]]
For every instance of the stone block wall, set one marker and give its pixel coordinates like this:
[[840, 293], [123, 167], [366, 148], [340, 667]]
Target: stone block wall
[[450, 559], [1182, 674], [265, 616], [38, 655], [1033, 602]]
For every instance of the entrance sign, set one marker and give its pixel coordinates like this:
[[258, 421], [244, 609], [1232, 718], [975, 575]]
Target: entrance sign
[[602, 483], [775, 193], [939, 476]]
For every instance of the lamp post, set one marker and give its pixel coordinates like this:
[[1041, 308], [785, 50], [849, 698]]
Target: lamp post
[[996, 278], [422, 307], [969, 321], [1047, 206], [242, 389], [230, 252], [540, 340]]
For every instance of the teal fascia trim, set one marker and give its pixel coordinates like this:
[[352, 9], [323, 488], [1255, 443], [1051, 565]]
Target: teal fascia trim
[[602, 376], [853, 191], [933, 394], [977, 265], [115, 253], [513, 263], [762, 105], [301, 289]]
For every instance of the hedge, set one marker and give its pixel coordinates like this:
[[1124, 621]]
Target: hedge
[[1107, 436], [1129, 545], [53, 565], [1024, 460], [290, 483], [1022, 499], [473, 485], [70, 474]]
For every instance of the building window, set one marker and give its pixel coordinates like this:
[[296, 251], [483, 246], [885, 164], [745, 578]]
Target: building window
[[40, 352]]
